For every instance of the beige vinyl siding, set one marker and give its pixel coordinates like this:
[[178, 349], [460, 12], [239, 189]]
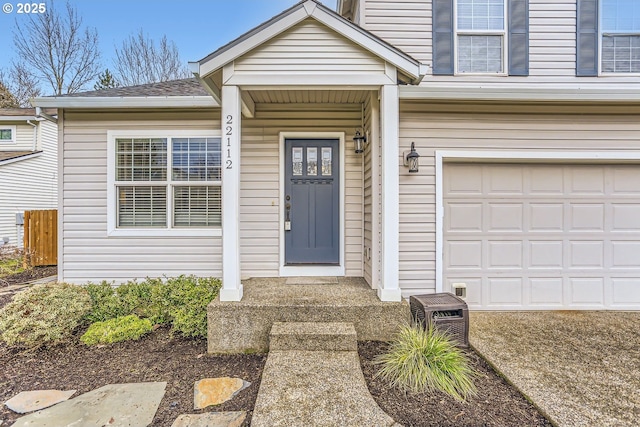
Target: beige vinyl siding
[[309, 47], [89, 255], [407, 24], [23, 139], [458, 127], [260, 181], [367, 205], [31, 183]]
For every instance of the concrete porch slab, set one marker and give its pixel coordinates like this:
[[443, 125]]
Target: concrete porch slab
[[244, 326], [321, 280]]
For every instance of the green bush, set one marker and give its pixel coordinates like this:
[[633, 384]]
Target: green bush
[[420, 360], [189, 297], [115, 330], [180, 301], [44, 315]]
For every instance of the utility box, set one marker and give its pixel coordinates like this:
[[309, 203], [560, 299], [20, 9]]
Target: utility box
[[444, 311]]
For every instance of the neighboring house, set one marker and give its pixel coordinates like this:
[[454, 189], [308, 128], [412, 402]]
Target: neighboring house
[[525, 114], [28, 168]]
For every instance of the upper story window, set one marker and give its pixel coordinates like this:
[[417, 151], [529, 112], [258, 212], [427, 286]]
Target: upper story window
[[480, 37], [480, 34], [171, 183], [620, 36], [7, 135]]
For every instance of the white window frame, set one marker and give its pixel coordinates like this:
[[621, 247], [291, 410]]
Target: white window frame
[[503, 33], [601, 34], [13, 140], [112, 206]]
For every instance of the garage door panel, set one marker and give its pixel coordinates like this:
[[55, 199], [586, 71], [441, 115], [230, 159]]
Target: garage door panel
[[546, 216], [626, 217], [545, 291], [504, 254], [586, 217], [586, 291], [546, 254], [504, 291], [626, 291], [463, 254], [543, 236], [546, 181], [586, 180], [505, 216], [586, 254], [464, 217]]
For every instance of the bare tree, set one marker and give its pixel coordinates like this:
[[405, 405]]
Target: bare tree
[[22, 84], [140, 61], [56, 48], [7, 99]]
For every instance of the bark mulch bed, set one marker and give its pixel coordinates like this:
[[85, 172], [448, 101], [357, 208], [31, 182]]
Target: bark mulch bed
[[181, 362], [28, 275]]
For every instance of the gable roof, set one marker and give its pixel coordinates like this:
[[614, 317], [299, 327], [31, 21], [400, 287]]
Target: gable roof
[[294, 15]]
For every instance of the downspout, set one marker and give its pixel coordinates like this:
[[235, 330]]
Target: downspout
[[41, 115], [35, 135]]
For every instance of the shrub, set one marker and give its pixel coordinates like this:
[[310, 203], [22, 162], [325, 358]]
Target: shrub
[[420, 360], [109, 302], [44, 315], [115, 330], [189, 297]]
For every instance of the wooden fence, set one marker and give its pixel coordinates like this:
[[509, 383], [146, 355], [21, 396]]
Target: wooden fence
[[41, 237]]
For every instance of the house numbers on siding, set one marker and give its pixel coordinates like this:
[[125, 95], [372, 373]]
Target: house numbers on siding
[[228, 132]]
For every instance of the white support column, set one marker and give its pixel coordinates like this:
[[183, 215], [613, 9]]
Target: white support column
[[231, 137], [389, 289]]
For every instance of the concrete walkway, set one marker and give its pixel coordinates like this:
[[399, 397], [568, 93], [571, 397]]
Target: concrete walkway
[[303, 386], [580, 368]]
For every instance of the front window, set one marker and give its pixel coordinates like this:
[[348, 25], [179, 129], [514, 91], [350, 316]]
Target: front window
[[620, 36], [480, 36], [6, 134], [168, 182]]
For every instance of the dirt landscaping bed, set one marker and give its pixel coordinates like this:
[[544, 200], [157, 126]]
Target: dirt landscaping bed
[[180, 362]]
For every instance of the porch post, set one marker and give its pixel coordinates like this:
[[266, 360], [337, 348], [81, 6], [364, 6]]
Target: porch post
[[231, 137], [389, 289]]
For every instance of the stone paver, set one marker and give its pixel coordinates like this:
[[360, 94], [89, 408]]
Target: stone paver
[[29, 401], [214, 391], [580, 368], [211, 419], [115, 405]]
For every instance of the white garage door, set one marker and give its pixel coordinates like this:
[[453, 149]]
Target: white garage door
[[543, 236]]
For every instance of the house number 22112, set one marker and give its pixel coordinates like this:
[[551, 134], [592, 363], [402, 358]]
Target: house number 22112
[[228, 132]]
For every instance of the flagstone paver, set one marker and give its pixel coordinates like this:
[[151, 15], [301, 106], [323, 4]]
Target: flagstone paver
[[29, 401]]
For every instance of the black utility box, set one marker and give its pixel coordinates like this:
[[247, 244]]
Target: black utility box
[[445, 311]]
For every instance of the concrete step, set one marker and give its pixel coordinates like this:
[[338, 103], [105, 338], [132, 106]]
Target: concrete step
[[313, 336]]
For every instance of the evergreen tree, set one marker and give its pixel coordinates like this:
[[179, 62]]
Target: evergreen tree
[[106, 81]]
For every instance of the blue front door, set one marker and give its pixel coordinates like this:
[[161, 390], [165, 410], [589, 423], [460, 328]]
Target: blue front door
[[312, 202]]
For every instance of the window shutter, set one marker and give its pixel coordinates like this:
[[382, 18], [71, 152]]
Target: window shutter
[[518, 37], [443, 37], [587, 38]]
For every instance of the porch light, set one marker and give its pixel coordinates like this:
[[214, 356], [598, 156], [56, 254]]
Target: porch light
[[411, 159], [358, 142]]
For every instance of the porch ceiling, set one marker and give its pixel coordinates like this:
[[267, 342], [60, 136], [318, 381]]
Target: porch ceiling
[[308, 96]]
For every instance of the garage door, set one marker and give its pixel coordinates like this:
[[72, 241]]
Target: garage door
[[543, 236]]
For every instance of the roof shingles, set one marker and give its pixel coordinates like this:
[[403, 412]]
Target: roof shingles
[[183, 87]]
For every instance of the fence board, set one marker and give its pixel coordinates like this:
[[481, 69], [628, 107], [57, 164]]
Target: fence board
[[41, 237]]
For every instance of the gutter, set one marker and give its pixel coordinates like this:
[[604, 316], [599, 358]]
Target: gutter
[[43, 115], [126, 102]]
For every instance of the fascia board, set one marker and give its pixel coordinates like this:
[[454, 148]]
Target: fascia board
[[127, 102], [16, 118]]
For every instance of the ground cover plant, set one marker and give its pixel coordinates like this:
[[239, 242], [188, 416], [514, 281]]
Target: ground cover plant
[[11, 260], [119, 329]]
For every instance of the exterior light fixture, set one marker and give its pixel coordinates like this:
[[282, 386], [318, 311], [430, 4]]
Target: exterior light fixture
[[358, 142], [411, 159]]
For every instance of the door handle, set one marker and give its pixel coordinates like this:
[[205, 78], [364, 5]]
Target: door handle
[[287, 215]]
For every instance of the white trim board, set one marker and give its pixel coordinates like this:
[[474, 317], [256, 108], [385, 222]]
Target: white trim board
[[507, 156], [312, 270]]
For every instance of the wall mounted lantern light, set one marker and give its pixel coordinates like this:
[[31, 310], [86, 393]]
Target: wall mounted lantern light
[[411, 159], [359, 141]]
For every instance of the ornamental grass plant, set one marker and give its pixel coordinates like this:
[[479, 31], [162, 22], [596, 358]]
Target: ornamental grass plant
[[421, 360]]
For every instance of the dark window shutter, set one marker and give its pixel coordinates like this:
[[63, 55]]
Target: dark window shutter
[[587, 38], [443, 37], [518, 37]]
